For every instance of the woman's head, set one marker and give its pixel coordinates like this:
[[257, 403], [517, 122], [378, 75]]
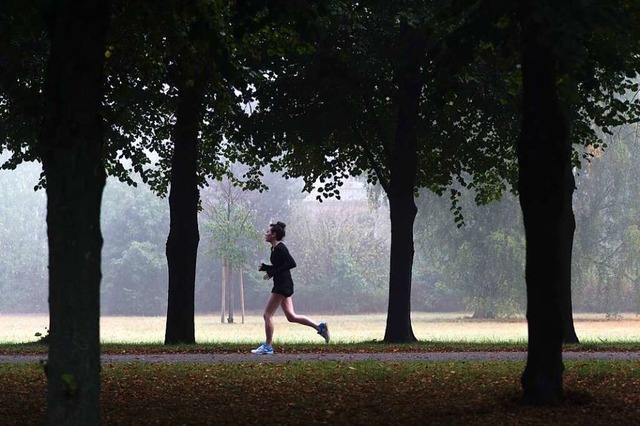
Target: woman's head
[[277, 229]]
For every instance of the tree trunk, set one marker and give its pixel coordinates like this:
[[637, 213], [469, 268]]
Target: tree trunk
[[568, 330], [182, 244], [223, 308], [403, 169], [231, 301], [403, 212], [71, 144], [242, 294], [546, 186]]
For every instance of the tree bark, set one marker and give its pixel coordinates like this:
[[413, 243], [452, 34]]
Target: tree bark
[[403, 169], [242, 293], [223, 308], [182, 244], [546, 186], [231, 298], [71, 147], [403, 212], [568, 330]]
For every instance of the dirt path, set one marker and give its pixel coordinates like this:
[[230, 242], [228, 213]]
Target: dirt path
[[344, 357]]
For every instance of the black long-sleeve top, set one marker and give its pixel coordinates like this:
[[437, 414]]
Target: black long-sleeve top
[[281, 265]]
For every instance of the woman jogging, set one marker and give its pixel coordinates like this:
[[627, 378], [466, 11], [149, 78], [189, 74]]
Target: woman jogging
[[279, 270]]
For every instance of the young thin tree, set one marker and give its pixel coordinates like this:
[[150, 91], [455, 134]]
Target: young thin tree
[[231, 228]]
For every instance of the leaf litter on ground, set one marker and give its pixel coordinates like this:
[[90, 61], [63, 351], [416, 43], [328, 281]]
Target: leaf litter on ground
[[329, 392]]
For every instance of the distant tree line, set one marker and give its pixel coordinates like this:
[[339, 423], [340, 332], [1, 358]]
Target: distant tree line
[[342, 247], [479, 267]]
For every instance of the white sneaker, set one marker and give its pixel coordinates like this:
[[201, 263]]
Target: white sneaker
[[263, 349]]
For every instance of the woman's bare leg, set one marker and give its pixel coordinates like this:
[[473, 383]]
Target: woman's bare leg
[[287, 308], [274, 301]]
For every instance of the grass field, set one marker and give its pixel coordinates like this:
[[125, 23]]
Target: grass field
[[344, 328]]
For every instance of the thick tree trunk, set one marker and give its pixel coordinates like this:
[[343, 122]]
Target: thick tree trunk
[[403, 212], [182, 244], [546, 186], [568, 330], [71, 144], [402, 206]]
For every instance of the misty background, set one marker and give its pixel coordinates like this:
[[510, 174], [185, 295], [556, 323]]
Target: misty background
[[341, 246]]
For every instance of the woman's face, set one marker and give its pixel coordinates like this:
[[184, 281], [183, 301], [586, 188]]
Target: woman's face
[[269, 236]]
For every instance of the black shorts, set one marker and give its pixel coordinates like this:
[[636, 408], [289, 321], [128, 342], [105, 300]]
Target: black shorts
[[282, 291]]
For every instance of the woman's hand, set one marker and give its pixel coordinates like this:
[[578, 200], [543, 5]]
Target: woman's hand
[[261, 267], [266, 277]]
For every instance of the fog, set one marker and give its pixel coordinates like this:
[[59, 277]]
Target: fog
[[341, 246]]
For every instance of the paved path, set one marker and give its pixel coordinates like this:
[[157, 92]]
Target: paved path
[[378, 356]]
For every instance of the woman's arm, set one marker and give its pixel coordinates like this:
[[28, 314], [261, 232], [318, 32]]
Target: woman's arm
[[282, 261]]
